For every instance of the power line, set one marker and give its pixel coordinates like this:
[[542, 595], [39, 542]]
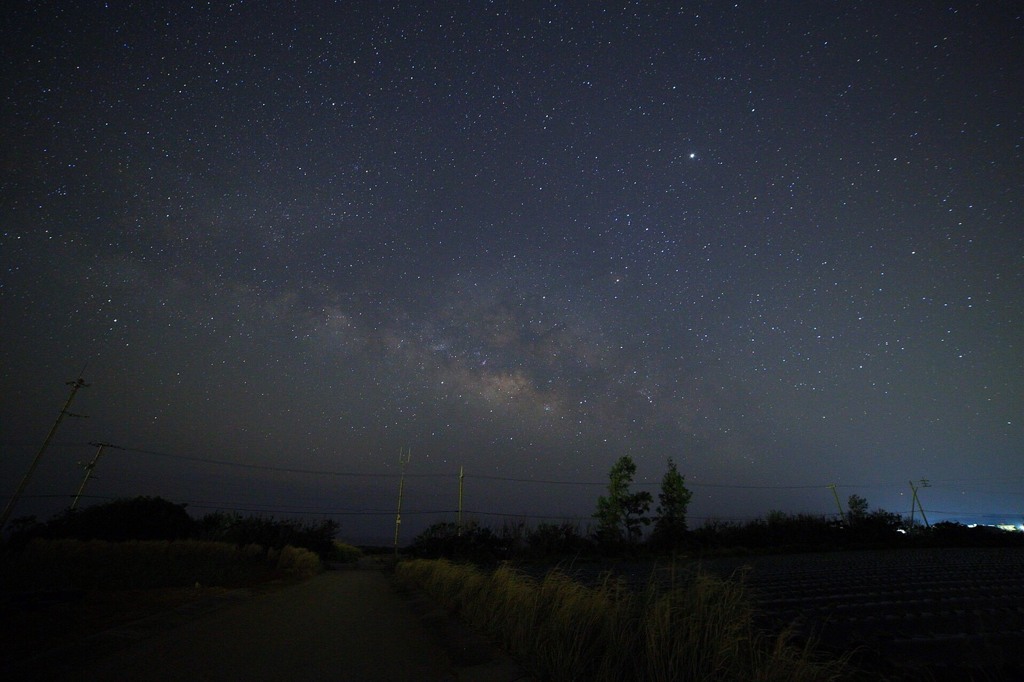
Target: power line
[[529, 516], [512, 479], [324, 512], [486, 477], [266, 509], [342, 512], [278, 469], [689, 484]]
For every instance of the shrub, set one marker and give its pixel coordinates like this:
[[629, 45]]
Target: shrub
[[471, 542], [298, 562], [555, 539], [877, 528], [781, 531], [345, 553], [243, 530], [70, 564], [952, 534], [139, 518]]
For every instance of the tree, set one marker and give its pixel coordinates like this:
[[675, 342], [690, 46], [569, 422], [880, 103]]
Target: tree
[[621, 515], [673, 500], [856, 508]]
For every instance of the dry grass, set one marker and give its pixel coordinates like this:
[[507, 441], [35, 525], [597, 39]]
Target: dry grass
[[699, 629], [297, 562], [345, 552]]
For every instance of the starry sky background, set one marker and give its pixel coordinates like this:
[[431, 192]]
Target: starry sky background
[[781, 243]]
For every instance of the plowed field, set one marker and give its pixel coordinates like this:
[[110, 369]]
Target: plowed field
[[914, 614]]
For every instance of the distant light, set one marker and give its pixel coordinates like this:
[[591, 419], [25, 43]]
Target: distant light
[[693, 155], [1015, 528]]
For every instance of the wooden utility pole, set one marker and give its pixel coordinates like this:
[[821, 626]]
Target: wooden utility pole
[[89, 469], [9, 509], [915, 500], [403, 461], [839, 505], [462, 475]]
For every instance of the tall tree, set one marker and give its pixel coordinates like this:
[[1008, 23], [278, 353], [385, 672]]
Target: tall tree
[[856, 508], [622, 514], [673, 500]]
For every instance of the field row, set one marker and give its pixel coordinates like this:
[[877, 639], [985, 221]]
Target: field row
[[935, 609], [950, 611]]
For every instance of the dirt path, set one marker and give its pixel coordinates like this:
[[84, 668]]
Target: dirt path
[[340, 625]]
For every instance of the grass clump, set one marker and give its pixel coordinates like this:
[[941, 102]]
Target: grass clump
[[297, 561], [698, 628], [344, 552]]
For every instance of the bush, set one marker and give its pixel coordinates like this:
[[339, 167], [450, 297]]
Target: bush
[[139, 518], [345, 553], [469, 543], [298, 562], [554, 540], [952, 534], [780, 531], [317, 536], [877, 528], [71, 564]]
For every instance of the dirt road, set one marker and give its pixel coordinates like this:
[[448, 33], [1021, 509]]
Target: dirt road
[[340, 625]]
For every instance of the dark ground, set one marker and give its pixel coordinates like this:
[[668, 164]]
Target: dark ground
[[348, 624], [921, 614]]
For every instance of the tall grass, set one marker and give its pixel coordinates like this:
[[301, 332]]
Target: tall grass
[[698, 628], [98, 564]]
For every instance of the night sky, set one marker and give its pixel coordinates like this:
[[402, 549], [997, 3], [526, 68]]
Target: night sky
[[781, 243]]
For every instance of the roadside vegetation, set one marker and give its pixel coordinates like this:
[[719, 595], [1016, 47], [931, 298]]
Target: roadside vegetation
[[154, 518], [84, 565], [698, 627], [145, 542]]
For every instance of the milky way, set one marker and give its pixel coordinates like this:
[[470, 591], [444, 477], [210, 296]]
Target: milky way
[[779, 243]]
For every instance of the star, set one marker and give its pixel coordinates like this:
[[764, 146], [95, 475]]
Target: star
[[481, 240]]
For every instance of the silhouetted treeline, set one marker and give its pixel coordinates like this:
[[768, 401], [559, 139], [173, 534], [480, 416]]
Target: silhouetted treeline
[[316, 536], [776, 532], [154, 518]]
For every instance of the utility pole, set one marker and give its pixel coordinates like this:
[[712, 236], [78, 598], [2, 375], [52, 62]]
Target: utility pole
[[403, 461], [9, 509], [462, 475], [839, 505], [89, 469], [915, 500]]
